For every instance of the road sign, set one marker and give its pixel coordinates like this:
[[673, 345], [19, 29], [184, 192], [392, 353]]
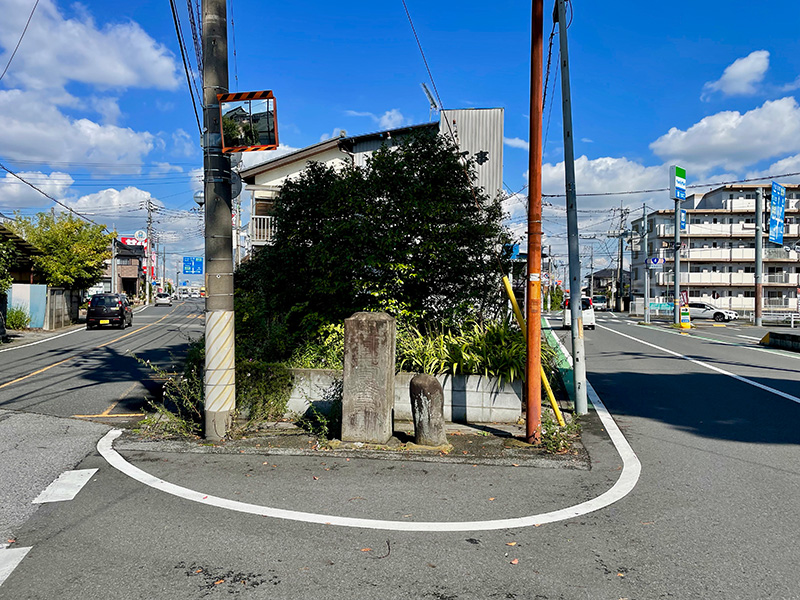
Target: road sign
[[683, 219], [655, 260], [661, 306], [140, 235], [777, 208], [192, 265], [677, 183]]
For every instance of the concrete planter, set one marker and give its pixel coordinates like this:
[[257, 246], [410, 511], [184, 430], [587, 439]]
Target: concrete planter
[[467, 398]]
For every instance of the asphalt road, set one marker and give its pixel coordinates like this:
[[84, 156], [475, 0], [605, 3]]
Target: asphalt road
[[46, 387], [713, 514]]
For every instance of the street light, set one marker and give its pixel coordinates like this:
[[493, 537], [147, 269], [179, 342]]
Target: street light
[[199, 197]]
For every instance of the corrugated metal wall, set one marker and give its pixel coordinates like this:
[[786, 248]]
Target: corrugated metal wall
[[479, 131]]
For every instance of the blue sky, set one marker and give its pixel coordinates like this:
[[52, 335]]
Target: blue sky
[[95, 110]]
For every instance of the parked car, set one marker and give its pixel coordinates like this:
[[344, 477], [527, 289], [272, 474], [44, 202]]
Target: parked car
[[599, 302], [163, 299], [704, 310], [195, 294], [109, 309], [587, 313]]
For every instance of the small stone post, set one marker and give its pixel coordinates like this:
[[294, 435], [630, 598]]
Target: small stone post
[[427, 409], [368, 386]]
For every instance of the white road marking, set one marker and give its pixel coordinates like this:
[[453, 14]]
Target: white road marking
[[749, 337], [711, 367], [9, 559], [55, 337], [66, 486], [627, 480]]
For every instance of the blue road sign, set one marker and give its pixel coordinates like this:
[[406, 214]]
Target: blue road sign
[[683, 220], [192, 265], [777, 207]]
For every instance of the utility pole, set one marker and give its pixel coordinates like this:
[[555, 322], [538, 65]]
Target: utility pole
[[533, 304], [759, 258], [578, 354], [591, 271], [549, 277], [149, 247], [618, 299], [646, 265], [114, 263], [220, 375]]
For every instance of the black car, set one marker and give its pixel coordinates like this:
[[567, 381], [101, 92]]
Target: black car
[[109, 309]]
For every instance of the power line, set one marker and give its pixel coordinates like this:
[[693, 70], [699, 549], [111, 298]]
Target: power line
[[45, 194], [665, 189], [179, 33], [14, 53]]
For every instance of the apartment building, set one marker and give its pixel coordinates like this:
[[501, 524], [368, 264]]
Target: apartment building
[[717, 254]]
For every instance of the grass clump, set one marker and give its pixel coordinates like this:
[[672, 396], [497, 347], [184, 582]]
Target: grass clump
[[17, 318]]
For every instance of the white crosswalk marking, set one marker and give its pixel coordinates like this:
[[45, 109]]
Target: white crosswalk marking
[[66, 487]]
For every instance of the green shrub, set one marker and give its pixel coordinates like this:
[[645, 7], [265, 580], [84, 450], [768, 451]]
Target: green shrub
[[17, 318], [180, 413], [262, 390], [494, 349], [324, 351]]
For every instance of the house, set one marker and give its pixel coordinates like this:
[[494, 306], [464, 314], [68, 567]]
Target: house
[[717, 254], [479, 133], [128, 271]]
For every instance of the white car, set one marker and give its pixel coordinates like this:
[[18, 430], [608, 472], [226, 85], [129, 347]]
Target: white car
[[587, 313], [600, 303], [163, 299], [704, 310]]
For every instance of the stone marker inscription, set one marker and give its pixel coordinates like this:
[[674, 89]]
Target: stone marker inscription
[[368, 387]]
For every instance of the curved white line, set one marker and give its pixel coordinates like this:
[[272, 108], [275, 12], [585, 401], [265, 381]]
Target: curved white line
[[626, 482]]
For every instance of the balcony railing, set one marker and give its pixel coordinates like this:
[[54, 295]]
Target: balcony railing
[[262, 230]]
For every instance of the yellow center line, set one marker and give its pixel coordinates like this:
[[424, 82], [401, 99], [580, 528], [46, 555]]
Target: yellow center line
[[107, 412], [61, 362]]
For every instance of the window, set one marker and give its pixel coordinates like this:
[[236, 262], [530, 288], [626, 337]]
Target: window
[[749, 269], [694, 294], [749, 294], [124, 262]]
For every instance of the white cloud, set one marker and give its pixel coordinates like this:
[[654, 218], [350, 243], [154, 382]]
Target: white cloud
[[741, 78], [184, 144], [17, 195], [34, 129], [107, 107], [251, 159], [337, 132], [515, 143], [57, 49], [790, 87], [790, 164], [602, 175], [734, 140], [391, 119], [587, 141]]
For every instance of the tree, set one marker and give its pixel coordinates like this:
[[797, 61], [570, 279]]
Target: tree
[[8, 256], [406, 234], [73, 250]]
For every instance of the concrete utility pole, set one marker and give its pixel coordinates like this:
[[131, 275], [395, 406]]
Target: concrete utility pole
[[220, 375], [149, 247], [533, 304], [618, 299], [591, 271], [578, 354], [646, 253], [759, 253]]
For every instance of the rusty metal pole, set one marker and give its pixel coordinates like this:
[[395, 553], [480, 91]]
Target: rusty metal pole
[[533, 306]]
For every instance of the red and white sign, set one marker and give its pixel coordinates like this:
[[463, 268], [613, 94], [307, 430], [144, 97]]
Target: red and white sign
[[132, 241]]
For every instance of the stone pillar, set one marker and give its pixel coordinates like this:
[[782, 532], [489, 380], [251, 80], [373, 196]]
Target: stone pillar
[[427, 408], [368, 387]]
